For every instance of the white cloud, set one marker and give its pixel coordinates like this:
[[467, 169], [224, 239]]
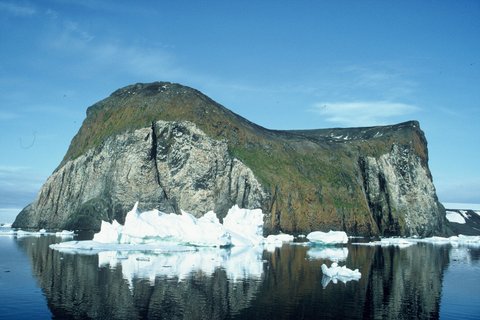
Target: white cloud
[[16, 9], [363, 113]]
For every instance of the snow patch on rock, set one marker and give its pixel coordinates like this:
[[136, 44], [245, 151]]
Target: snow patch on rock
[[455, 217]]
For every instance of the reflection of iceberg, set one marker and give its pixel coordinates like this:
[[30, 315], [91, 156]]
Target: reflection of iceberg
[[331, 237], [336, 272], [238, 262], [328, 253]]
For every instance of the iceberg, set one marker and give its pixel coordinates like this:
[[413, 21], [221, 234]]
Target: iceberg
[[241, 227], [335, 273], [460, 240], [387, 242], [8, 231], [274, 241], [90, 247], [244, 226], [331, 237], [155, 226], [278, 238], [62, 234]]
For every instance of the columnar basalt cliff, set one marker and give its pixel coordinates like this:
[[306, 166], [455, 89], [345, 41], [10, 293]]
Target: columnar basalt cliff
[[172, 148]]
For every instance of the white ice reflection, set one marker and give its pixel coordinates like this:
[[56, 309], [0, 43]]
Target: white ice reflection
[[239, 263], [328, 253]]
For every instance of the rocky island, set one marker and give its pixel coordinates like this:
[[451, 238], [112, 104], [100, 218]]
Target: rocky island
[[172, 148]]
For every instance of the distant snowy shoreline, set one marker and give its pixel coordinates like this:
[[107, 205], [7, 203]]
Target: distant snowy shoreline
[[461, 206]]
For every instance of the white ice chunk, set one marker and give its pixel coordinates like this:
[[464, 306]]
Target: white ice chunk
[[455, 217], [109, 232], [155, 226], [65, 233], [240, 227], [331, 237], [328, 253], [274, 241], [278, 238], [245, 226], [7, 231], [386, 242], [405, 242], [22, 233], [454, 240], [336, 272]]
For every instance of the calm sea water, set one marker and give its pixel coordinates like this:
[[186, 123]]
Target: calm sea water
[[423, 281]]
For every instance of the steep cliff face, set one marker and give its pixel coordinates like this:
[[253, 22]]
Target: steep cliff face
[[169, 166], [399, 192], [171, 147]]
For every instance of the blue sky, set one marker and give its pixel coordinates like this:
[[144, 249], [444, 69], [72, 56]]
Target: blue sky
[[281, 64]]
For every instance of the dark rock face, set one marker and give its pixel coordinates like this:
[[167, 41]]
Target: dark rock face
[[172, 148], [170, 166]]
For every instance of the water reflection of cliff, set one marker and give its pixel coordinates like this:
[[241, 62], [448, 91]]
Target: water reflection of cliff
[[395, 284], [76, 287]]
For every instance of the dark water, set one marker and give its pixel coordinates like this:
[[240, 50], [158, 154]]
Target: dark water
[[419, 282]]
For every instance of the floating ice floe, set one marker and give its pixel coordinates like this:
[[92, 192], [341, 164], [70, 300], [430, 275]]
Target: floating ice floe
[[22, 233], [274, 241], [454, 240], [327, 253], [406, 242], [331, 237], [157, 230], [154, 226], [387, 242], [335, 273], [245, 226], [63, 233], [7, 231]]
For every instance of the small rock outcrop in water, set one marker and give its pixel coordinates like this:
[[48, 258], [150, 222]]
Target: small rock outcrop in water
[[170, 147]]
